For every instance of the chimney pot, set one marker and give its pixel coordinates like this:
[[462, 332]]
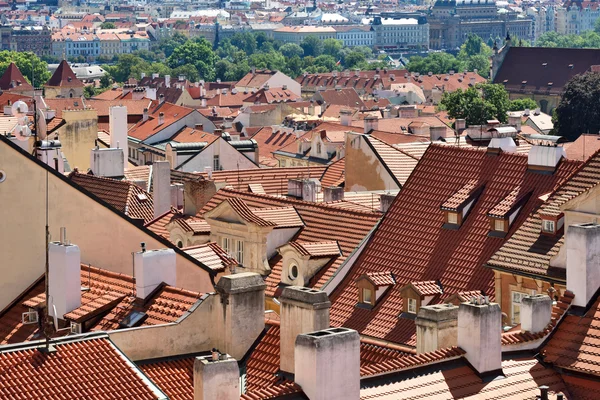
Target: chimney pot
[[161, 118], [152, 268], [544, 392]]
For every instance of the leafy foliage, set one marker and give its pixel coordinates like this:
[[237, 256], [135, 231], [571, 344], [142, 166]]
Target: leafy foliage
[[198, 53], [586, 40], [522, 104], [107, 25], [29, 64], [579, 108], [477, 104]]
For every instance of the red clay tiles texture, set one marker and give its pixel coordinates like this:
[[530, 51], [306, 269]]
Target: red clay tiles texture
[[87, 369], [411, 243], [174, 377]]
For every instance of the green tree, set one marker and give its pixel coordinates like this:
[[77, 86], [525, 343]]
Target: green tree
[[354, 59], [579, 108], [294, 66], [29, 64], [199, 53], [477, 104], [597, 26], [325, 63], [480, 63], [245, 41], [105, 81], [189, 71], [437, 63], [522, 104], [474, 46], [332, 47], [167, 45], [290, 50], [107, 25], [126, 66], [312, 45]]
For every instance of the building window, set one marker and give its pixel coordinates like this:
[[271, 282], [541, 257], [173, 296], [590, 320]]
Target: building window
[[216, 163], [367, 296], [547, 226], [517, 297], [452, 218], [180, 244], [227, 245], [499, 225], [239, 251], [293, 272], [412, 306], [318, 147]]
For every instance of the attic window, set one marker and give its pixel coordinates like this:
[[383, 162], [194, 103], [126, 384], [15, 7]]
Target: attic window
[[458, 206], [133, 319], [548, 226], [372, 286], [142, 197], [412, 306], [551, 223], [504, 213], [418, 294]]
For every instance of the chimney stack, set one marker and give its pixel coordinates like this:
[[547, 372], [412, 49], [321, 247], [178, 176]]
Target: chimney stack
[[536, 312], [346, 117], [161, 116], [118, 129], [196, 194], [161, 99], [371, 123], [583, 261], [479, 334], [385, 201], [161, 187], [302, 310], [216, 379], [64, 276], [145, 115], [333, 193], [515, 120], [436, 327], [240, 313], [167, 81], [151, 268], [327, 364], [309, 190], [109, 163], [460, 124]]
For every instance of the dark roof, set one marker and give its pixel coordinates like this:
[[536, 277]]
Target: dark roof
[[13, 74], [64, 76], [532, 68]]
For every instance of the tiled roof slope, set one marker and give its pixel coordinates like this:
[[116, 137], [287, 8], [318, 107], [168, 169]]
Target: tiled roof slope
[[109, 292], [212, 255], [581, 388], [126, 197], [528, 250], [400, 163], [334, 174], [13, 76], [64, 76], [174, 377], [523, 376], [575, 344], [172, 113], [411, 243], [322, 223], [79, 369], [273, 180]]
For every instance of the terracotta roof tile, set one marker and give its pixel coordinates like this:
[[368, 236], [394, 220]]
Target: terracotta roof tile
[[240, 207], [172, 113], [282, 217], [383, 278], [64, 76], [460, 196], [88, 368], [411, 243], [269, 140], [400, 163], [427, 288], [508, 203], [174, 377], [212, 255], [581, 388], [317, 249], [334, 175], [13, 80], [159, 225]]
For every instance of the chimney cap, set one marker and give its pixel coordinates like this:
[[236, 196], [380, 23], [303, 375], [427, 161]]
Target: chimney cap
[[316, 298]]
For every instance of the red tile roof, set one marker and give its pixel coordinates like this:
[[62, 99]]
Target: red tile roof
[[13, 79], [460, 196], [427, 288], [581, 388], [322, 223], [212, 255], [174, 377], [64, 76], [282, 217], [334, 174], [240, 207], [126, 197], [508, 203], [317, 249], [411, 243], [384, 278], [159, 225], [343, 97], [172, 113], [270, 141], [80, 368]]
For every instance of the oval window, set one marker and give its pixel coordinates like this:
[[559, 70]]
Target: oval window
[[2, 176], [293, 271]]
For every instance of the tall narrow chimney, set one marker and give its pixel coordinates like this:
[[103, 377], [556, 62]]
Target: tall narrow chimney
[[479, 334], [302, 310], [583, 261], [535, 313], [327, 364], [436, 327], [118, 129], [152, 268], [145, 115], [161, 118], [64, 277], [161, 187], [168, 81], [216, 379]]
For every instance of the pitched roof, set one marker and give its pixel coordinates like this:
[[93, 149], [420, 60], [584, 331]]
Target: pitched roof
[[335, 173], [530, 251], [270, 140], [79, 368], [13, 80], [343, 97], [322, 223], [126, 197], [282, 217], [64, 77], [256, 78], [212, 255], [399, 163], [317, 249], [172, 113], [383, 278], [411, 243], [532, 69], [175, 377]]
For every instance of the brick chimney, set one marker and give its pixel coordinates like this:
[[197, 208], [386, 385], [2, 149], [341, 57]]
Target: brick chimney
[[583, 261], [302, 310], [436, 327], [327, 364], [152, 268], [479, 334], [64, 277], [196, 195], [241, 312], [161, 187], [216, 379], [536, 312]]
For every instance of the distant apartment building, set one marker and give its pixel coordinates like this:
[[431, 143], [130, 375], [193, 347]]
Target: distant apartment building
[[396, 33], [69, 43], [543, 18], [355, 35], [577, 17], [296, 34], [451, 22], [36, 39]]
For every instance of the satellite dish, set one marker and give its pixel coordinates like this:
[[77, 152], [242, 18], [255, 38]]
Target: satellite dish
[[19, 108], [23, 120], [22, 133]]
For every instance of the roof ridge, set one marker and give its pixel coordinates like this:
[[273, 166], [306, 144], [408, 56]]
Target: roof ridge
[[395, 148]]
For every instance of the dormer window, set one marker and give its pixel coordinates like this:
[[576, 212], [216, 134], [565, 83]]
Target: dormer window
[[372, 286], [418, 294], [458, 206], [412, 305], [551, 222], [302, 260], [548, 226], [503, 214]]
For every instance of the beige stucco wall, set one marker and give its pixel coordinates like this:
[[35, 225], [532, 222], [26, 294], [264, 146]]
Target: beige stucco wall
[[105, 238], [364, 171], [77, 137]]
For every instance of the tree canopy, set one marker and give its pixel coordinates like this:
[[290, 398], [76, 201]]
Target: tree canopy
[[579, 108], [198, 53], [586, 40], [478, 103], [107, 25], [29, 64]]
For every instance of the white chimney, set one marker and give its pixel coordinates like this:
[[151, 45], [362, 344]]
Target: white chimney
[[309, 190], [151, 93], [109, 163], [506, 144], [327, 364], [208, 171], [118, 129], [145, 114], [583, 261], [161, 187], [203, 103], [371, 123], [333, 193], [346, 117], [154, 76], [216, 379], [64, 277], [535, 312], [161, 98], [168, 81], [479, 334], [545, 157], [161, 117], [177, 195], [303, 310], [515, 120], [142, 75], [151, 268], [436, 327]]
